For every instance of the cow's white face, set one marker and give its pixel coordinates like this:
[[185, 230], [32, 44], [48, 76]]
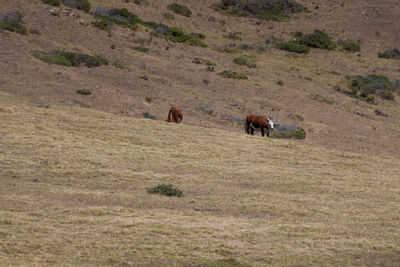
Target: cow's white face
[[271, 123]]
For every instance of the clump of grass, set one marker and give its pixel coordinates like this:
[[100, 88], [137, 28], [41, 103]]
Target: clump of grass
[[177, 35], [120, 16], [321, 98], [148, 99], [227, 49], [103, 24], [390, 53], [83, 92], [349, 46], [280, 83], [180, 9], [365, 87], [198, 60], [168, 16], [166, 190], [121, 65], [210, 68], [70, 59], [147, 115], [140, 49], [12, 21], [318, 39], [233, 36], [232, 75], [293, 47], [52, 2], [244, 60], [78, 4], [290, 131], [278, 10]]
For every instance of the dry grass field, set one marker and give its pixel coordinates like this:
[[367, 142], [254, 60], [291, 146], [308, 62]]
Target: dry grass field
[[73, 191]]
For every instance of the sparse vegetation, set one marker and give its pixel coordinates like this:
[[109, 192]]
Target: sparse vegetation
[[233, 36], [288, 131], [140, 49], [365, 87], [70, 59], [244, 60], [78, 4], [318, 39], [165, 189], [293, 47], [147, 115], [390, 53], [198, 60], [207, 109], [168, 16], [324, 99], [232, 75], [103, 24], [180, 9], [120, 16], [83, 92], [278, 10], [52, 2], [12, 21], [349, 46], [295, 117], [121, 65]]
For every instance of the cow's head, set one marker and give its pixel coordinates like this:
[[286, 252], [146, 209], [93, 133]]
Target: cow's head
[[271, 123]]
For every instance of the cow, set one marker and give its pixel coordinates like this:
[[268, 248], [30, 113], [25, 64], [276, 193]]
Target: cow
[[255, 122], [174, 115]]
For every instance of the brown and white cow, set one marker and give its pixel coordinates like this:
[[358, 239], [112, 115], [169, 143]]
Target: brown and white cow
[[174, 115], [255, 122]]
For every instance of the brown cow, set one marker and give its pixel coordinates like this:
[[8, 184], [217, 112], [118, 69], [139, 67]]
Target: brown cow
[[174, 115], [255, 122]]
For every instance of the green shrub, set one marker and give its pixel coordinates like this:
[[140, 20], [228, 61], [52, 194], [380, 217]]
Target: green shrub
[[120, 16], [52, 2], [121, 65], [140, 48], [390, 53], [278, 10], [147, 115], [350, 46], [232, 75], [180, 9], [364, 87], [12, 21], [165, 189], [318, 39], [83, 91], [78, 4], [293, 47], [70, 59], [288, 132], [244, 60], [103, 24], [177, 35], [169, 16]]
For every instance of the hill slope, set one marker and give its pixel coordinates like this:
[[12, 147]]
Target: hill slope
[[73, 192], [167, 74]]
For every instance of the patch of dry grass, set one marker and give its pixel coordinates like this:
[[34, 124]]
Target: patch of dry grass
[[73, 192]]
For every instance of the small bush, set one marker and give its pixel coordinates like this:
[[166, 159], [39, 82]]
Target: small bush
[[147, 115], [121, 65], [120, 16], [12, 21], [83, 91], [387, 95], [318, 39], [70, 59], [103, 24], [180, 9], [281, 83], [148, 99], [140, 49], [364, 87], [78, 4], [52, 2], [350, 46], [293, 47], [210, 68], [165, 189], [232, 75], [244, 60], [390, 53], [288, 132], [169, 16]]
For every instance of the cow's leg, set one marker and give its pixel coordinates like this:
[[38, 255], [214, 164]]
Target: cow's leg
[[252, 131], [247, 127], [262, 131], [267, 133]]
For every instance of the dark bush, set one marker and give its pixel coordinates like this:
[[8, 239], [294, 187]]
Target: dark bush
[[165, 189], [288, 131], [83, 91], [390, 53], [70, 59], [147, 115], [52, 2], [318, 39], [350, 46], [281, 83], [232, 75], [180, 9], [78, 4], [12, 21], [244, 60], [364, 87], [264, 9], [119, 16], [293, 47]]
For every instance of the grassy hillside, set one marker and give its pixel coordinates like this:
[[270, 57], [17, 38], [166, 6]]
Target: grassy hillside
[[73, 191]]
